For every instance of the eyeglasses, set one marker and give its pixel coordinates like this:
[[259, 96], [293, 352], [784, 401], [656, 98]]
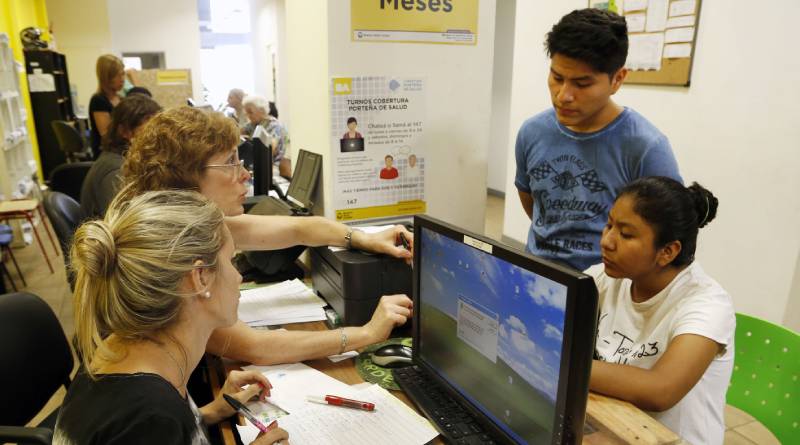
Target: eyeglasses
[[234, 166]]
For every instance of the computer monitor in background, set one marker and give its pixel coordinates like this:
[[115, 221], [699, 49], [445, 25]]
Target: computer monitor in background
[[262, 167], [257, 159], [508, 335]]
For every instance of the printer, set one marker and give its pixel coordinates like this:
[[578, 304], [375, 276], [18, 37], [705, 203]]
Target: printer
[[352, 282]]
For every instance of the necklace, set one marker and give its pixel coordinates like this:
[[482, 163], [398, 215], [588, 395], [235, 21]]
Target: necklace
[[180, 368]]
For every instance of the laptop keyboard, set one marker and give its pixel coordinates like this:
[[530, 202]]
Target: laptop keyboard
[[456, 425]]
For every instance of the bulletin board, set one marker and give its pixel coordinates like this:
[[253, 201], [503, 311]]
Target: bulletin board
[[170, 88], [662, 35]]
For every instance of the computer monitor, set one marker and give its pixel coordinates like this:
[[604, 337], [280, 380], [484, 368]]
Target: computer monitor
[[304, 179], [509, 335], [257, 159]]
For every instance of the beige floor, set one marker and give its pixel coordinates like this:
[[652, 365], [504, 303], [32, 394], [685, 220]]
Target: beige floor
[[53, 288]]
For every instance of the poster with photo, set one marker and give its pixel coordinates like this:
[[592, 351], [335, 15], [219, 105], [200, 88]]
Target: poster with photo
[[377, 128]]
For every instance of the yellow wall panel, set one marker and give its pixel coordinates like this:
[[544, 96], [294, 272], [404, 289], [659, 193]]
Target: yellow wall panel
[[16, 15]]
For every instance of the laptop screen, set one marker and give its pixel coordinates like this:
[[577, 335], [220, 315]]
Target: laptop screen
[[493, 330]]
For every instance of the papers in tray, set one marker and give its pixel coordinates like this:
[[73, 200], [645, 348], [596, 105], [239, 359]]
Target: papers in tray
[[287, 302], [392, 422]]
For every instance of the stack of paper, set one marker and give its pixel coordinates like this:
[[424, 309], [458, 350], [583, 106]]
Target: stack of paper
[[392, 422], [287, 302]]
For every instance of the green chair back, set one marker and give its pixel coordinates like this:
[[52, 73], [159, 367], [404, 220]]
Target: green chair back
[[766, 376]]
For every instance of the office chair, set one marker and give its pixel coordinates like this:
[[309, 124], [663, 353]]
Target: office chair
[[70, 141], [65, 215], [37, 360], [68, 178], [765, 382]]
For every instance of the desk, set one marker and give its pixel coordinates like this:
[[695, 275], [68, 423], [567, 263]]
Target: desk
[[615, 421]]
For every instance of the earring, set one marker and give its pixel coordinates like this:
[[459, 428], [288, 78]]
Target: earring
[[207, 294]]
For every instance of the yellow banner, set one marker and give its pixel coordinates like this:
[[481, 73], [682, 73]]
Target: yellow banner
[[399, 209], [452, 22], [172, 77]]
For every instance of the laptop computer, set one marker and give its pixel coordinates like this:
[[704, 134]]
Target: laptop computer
[[301, 189], [348, 145], [502, 341]]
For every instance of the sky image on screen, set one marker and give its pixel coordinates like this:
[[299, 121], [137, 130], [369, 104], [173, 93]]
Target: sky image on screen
[[493, 315]]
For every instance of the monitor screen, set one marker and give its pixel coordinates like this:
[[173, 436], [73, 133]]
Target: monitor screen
[[304, 179], [492, 330]]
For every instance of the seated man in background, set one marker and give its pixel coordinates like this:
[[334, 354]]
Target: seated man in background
[[573, 159], [102, 181], [257, 110]]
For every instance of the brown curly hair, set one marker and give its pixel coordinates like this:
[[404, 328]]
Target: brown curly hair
[[171, 150]]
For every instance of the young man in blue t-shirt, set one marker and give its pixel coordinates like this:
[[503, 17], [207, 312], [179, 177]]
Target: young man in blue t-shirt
[[572, 159]]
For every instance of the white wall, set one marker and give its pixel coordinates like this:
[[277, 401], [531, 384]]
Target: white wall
[[264, 38], [306, 81], [282, 65], [791, 318], [158, 26], [734, 130], [81, 37], [458, 82], [501, 94]]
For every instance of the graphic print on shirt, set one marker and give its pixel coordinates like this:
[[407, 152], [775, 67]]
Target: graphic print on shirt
[[564, 196], [623, 348]]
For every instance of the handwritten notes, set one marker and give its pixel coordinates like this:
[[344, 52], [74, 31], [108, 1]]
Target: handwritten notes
[[391, 423]]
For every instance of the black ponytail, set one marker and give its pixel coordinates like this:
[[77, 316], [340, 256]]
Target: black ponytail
[[675, 212]]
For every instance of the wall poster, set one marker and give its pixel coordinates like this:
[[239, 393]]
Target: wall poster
[[377, 127]]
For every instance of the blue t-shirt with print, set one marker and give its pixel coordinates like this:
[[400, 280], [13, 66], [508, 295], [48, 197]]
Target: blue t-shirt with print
[[574, 178]]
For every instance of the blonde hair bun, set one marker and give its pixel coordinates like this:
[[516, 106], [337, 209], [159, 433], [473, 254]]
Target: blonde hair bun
[[95, 249]]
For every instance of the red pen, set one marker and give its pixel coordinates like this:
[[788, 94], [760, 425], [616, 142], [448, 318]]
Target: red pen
[[341, 401]]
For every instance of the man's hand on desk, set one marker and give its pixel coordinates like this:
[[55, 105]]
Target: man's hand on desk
[[387, 241], [393, 310], [256, 386]]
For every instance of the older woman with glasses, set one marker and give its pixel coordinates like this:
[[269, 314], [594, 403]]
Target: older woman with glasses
[[185, 148]]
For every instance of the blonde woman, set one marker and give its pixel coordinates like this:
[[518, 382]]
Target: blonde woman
[[154, 279], [110, 80], [185, 148]]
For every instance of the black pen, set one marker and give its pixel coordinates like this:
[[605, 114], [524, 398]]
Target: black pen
[[405, 242], [239, 407]]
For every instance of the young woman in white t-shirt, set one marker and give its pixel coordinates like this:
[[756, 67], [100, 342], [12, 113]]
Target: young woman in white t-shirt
[[665, 330]]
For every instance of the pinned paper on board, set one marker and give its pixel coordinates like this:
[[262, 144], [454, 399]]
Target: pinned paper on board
[[661, 38], [634, 5], [679, 35], [644, 51], [677, 50], [635, 22], [657, 15], [679, 22], [682, 7]]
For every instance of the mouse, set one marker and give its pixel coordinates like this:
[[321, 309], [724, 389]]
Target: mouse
[[392, 356]]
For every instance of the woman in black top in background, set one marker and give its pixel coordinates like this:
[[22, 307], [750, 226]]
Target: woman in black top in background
[[110, 79]]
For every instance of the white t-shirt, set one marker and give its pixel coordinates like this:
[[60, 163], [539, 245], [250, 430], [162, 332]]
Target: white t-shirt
[[637, 334], [412, 172]]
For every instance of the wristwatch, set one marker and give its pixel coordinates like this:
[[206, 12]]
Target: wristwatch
[[348, 239]]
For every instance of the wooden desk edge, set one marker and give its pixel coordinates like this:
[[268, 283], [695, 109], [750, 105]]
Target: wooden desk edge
[[613, 418]]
